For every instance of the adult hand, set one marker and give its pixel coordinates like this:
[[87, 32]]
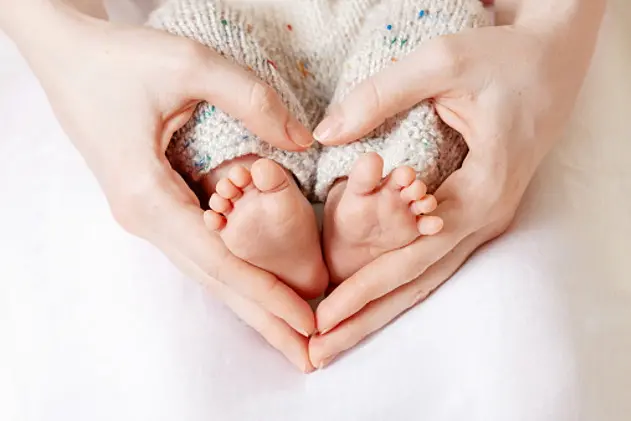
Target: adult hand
[[120, 93], [510, 91]]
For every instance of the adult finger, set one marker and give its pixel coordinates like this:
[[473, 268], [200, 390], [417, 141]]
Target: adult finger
[[391, 270], [463, 212], [205, 252], [421, 75], [377, 314], [246, 98], [162, 212], [275, 331]]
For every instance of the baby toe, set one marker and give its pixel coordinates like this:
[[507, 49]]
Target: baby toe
[[268, 176], [414, 191], [401, 178], [226, 189], [429, 225], [214, 221], [219, 204], [426, 204], [366, 173], [240, 177]]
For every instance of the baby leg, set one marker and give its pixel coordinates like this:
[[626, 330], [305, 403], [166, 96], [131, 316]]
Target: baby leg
[[366, 216], [256, 202]]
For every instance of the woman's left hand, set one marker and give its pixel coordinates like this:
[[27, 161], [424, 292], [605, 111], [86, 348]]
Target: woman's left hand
[[510, 91]]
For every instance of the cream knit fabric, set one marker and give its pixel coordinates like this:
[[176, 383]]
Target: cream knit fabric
[[313, 52], [417, 138]]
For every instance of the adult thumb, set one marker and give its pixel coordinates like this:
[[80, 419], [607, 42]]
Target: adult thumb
[[419, 76], [243, 96]]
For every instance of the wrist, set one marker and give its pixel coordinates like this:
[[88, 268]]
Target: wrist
[[37, 26], [557, 12], [41, 28], [94, 8], [20, 16], [567, 30], [572, 17]]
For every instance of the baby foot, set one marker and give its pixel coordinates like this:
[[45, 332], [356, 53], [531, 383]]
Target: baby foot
[[365, 217], [264, 219]]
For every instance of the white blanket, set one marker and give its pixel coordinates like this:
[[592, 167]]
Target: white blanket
[[97, 325]]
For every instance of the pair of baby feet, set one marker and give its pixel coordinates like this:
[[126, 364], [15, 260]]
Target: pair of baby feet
[[263, 218]]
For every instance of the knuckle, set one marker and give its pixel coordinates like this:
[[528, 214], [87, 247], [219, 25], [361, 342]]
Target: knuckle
[[450, 57], [486, 211], [263, 99], [192, 60], [124, 214], [494, 229], [270, 292], [498, 206], [219, 267], [420, 294], [194, 52], [495, 175], [423, 288], [503, 223], [440, 272], [375, 97], [349, 338], [417, 265], [495, 188], [130, 205], [369, 290]]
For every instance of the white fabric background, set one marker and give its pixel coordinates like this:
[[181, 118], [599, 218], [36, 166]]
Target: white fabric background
[[97, 325]]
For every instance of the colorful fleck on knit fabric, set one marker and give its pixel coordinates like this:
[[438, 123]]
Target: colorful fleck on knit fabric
[[313, 52]]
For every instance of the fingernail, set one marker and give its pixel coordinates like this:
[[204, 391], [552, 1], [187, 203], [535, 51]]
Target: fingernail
[[298, 134], [326, 362], [327, 129], [324, 331], [303, 333]]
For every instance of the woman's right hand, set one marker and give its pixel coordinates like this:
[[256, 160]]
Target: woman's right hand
[[120, 93], [510, 91]]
